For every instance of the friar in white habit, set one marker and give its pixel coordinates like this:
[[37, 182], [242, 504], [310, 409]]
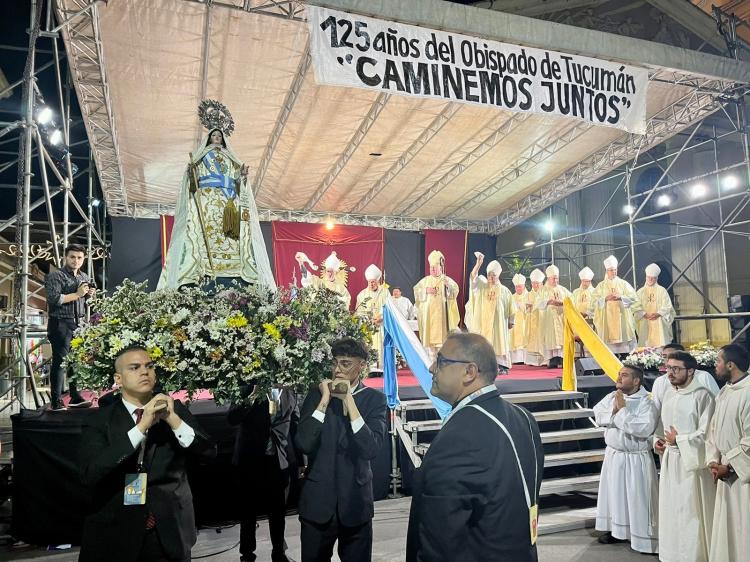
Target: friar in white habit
[[686, 489], [662, 385], [627, 507], [728, 456]]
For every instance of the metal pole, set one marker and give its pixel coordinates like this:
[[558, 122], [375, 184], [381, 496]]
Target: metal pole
[[89, 226], [48, 201], [23, 211]]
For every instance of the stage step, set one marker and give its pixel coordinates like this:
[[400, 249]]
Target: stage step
[[569, 484], [517, 398], [572, 435], [576, 457], [550, 415]]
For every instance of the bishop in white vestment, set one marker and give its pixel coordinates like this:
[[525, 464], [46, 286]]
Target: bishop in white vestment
[[370, 303], [518, 332], [686, 489], [437, 310], [550, 302], [627, 506], [332, 280], [534, 335], [656, 313], [615, 302]]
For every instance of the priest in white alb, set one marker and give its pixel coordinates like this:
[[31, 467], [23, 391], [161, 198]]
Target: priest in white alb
[[662, 385], [370, 303], [550, 302], [403, 304], [615, 302], [627, 505], [656, 314], [334, 278], [437, 309], [686, 489], [518, 332], [728, 457], [490, 309], [534, 335]]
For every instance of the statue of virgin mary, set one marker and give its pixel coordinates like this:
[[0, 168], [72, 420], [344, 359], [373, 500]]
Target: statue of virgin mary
[[216, 233]]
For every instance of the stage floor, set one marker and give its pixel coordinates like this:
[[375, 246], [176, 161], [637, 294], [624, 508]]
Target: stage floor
[[389, 541], [518, 372]]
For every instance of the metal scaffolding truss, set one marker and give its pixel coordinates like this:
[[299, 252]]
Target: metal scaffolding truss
[[54, 183], [691, 108], [86, 60]]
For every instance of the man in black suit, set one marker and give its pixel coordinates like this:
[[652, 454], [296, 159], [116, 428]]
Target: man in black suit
[[265, 459], [162, 529], [476, 493], [341, 432]]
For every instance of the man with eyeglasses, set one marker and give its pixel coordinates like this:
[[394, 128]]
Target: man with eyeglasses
[[475, 496], [686, 490], [342, 426], [662, 384], [728, 457], [626, 507]]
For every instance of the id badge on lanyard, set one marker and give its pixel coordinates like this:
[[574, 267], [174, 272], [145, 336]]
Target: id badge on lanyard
[[136, 483]]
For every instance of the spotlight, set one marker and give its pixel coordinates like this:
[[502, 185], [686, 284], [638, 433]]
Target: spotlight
[[730, 182], [628, 209], [529, 244], [95, 202], [329, 224], [56, 137], [549, 226], [664, 200], [698, 190], [44, 115]]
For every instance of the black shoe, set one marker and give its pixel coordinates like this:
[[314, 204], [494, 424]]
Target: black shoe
[[280, 557], [607, 538], [79, 403], [56, 406]]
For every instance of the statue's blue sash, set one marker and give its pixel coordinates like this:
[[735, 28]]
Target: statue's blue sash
[[216, 179]]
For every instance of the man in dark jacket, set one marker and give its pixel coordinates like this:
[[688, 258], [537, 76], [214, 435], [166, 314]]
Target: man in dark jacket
[[265, 459], [477, 489], [138, 434], [341, 431], [68, 290]]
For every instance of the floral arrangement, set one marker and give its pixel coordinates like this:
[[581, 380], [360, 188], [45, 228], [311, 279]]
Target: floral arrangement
[[220, 341], [646, 358], [705, 353]]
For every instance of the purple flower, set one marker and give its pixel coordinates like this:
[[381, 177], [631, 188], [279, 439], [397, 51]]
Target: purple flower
[[96, 318]]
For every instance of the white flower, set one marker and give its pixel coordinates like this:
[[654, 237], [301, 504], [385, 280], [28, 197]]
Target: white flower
[[180, 315]]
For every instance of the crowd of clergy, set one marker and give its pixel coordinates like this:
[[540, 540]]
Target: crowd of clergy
[[697, 508]]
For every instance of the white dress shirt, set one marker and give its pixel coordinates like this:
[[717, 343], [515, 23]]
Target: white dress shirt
[[184, 433]]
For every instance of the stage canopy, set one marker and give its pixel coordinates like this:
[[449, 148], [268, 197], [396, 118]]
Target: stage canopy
[[141, 68]]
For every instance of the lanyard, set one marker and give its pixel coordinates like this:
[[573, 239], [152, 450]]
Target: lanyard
[[515, 452], [141, 454]]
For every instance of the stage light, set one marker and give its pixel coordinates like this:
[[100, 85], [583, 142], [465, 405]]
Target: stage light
[[628, 209], [330, 224], [56, 137], [664, 200], [529, 244], [730, 182], [95, 202], [44, 115], [698, 190], [549, 226]]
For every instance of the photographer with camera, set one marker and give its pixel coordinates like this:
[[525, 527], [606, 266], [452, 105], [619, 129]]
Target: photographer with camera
[[68, 290], [342, 426]]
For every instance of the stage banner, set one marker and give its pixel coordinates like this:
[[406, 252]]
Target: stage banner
[[358, 246], [453, 244], [361, 52]]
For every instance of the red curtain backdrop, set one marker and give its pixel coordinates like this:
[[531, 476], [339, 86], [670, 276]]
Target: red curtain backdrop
[[453, 244], [358, 246], [167, 222]]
